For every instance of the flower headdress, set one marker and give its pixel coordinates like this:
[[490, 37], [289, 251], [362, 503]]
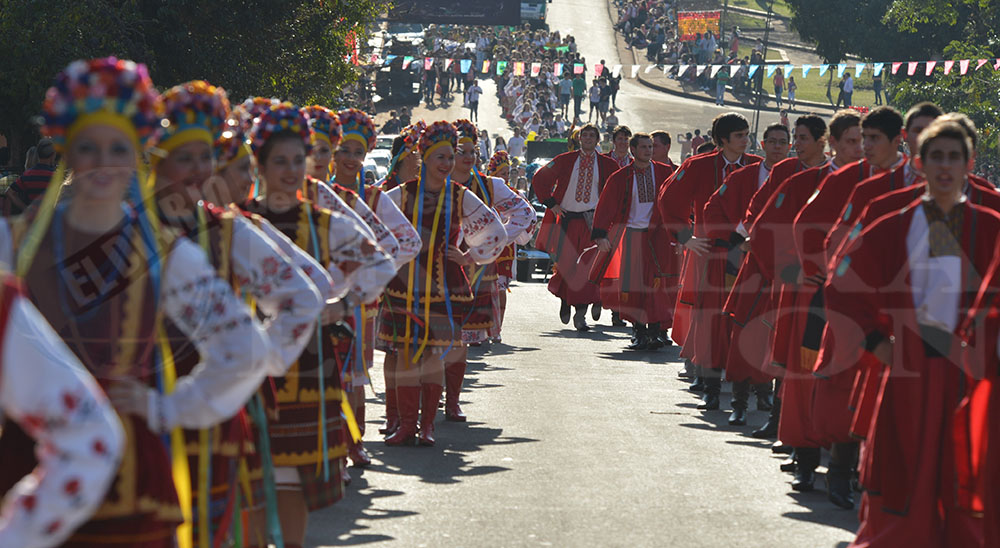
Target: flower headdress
[[467, 132], [436, 135], [195, 111], [500, 159], [324, 124], [357, 125], [282, 117]]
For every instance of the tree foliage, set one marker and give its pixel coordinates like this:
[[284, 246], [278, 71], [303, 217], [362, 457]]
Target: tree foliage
[[293, 49]]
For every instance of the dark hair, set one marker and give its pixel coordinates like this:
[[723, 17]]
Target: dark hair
[[724, 125], [842, 121], [662, 136], [815, 125], [397, 144], [634, 141], [924, 108], [777, 127], [621, 129], [945, 129], [707, 146], [45, 149], [284, 135], [885, 119], [967, 124], [591, 127]]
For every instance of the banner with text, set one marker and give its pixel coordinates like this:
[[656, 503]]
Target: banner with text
[[692, 23]]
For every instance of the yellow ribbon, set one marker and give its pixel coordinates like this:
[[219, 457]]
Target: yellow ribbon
[[430, 277]]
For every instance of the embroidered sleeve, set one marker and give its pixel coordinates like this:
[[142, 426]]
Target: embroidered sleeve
[[47, 392], [518, 216], [366, 265], [284, 294], [326, 198], [383, 235], [330, 283], [236, 352], [482, 229], [402, 229]]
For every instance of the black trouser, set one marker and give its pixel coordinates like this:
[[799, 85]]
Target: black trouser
[[474, 110], [843, 458], [713, 381], [807, 458], [577, 105], [741, 393]]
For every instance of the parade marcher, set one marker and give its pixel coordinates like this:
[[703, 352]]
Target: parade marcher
[[112, 317], [405, 165], [480, 321], [621, 150], [242, 254], [723, 214], [499, 167], [84, 439], [307, 439], [633, 242], [569, 186], [681, 201], [902, 304], [421, 311]]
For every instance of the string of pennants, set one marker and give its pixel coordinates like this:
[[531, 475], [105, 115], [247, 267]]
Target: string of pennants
[[962, 66]]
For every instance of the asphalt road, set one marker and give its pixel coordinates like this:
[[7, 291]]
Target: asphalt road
[[574, 442]]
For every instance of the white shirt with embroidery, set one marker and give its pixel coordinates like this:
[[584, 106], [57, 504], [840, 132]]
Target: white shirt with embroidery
[[330, 284], [328, 199], [569, 202], [516, 214], [45, 389]]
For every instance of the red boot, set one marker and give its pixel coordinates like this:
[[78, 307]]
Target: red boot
[[356, 450], [454, 376], [431, 394], [408, 402], [391, 413]]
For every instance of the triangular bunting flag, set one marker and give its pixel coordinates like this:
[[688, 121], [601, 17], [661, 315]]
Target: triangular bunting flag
[[715, 70], [649, 68], [598, 69], [447, 63], [770, 70], [895, 66], [406, 62], [911, 67], [635, 70], [930, 67], [963, 66], [699, 70], [788, 70], [805, 70], [486, 67], [390, 58], [823, 69], [948, 65], [753, 70], [519, 68], [667, 69], [980, 64], [840, 69], [877, 69], [681, 70], [536, 69], [733, 69], [616, 70], [557, 69], [428, 63], [466, 65], [578, 68], [859, 68], [997, 65]]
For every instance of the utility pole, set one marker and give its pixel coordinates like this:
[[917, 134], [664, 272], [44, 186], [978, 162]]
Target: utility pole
[[722, 23], [759, 83]]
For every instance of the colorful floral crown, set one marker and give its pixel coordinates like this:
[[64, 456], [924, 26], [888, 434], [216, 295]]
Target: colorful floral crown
[[357, 125], [411, 135], [500, 158], [233, 142], [256, 106], [437, 134], [324, 124], [107, 91], [195, 111], [283, 117], [467, 132]]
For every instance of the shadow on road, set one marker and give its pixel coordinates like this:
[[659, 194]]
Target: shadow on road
[[500, 349], [592, 335], [342, 523], [819, 510]]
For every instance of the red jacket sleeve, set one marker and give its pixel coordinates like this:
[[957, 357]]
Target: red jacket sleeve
[[674, 202], [612, 208], [546, 179], [725, 208]]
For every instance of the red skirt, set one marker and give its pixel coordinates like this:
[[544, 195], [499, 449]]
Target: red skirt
[[643, 294], [571, 281], [505, 263]]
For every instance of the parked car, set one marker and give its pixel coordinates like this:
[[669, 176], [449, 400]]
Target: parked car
[[529, 257], [384, 142], [381, 157]]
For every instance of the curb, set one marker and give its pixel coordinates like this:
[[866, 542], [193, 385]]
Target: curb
[[758, 13]]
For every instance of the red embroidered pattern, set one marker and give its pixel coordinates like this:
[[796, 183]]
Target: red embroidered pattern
[[644, 185], [585, 177]]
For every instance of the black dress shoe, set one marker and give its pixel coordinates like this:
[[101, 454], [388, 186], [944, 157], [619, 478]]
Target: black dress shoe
[[564, 312], [788, 465], [782, 449], [698, 385], [595, 311], [804, 480], [838, 488], [685, 374], [640, 342], [710, 402], [767, 432], [616, 320], [738, 417], [580, 320]]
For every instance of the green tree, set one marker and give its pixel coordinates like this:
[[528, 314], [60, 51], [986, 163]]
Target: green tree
[[293, 49]]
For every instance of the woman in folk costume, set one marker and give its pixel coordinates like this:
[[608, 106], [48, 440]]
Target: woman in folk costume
[[130, 274], [499, 167], [405, 165], [60, 406], [307, 442], [245, 257], [421, 311], [479, 323]]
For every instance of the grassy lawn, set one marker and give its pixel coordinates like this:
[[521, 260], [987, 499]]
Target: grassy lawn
[[745, 22], [746, 49], [813, 88], [780, 7]]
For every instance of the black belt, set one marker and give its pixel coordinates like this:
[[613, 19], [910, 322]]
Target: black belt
[[628, 228], [574, 214], [937, 341]]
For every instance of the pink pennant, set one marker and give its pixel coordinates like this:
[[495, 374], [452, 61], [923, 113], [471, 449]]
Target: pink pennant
[[948, 65], [557, 69], [519, 68], [428, 63], [997, 65], [598, 69], [980, 64], [895, 67], [578, 68], [911, 68], [963, 66], [930, 67]]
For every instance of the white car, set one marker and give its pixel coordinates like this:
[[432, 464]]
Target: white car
[[382, 158], [384, 142]]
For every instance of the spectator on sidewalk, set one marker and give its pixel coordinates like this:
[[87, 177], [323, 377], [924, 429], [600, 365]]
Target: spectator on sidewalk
[[472, 100], [779, 85], [840, 96], [792, 86], [877, 86], [685, 142], [499, 144], [616, 84], [848, 89], [605, 98], [515, 146], [565, 93], [595, 101], [393, 125], [697, 141], [579, 90], [404, 116], [721, 79]]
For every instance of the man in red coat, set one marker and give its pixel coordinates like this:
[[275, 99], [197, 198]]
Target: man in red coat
[[902, 304], [570, 186], [631, 239], [683, 197]]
